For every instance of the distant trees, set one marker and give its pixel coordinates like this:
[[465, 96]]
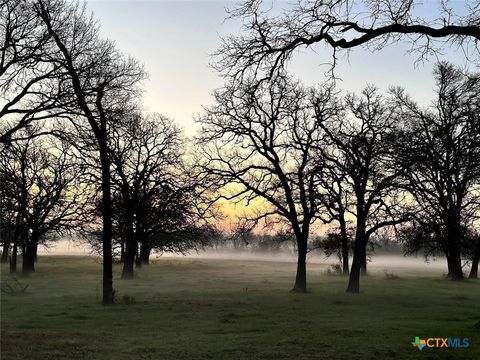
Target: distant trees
[[443, 149], [43, 195]]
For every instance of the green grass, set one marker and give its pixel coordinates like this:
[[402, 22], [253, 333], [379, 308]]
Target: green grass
[[225, 309]]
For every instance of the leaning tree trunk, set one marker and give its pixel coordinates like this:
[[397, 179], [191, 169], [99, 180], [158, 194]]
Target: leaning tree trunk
[[5, 252], [354, 279], [359, 252], [301, 277], [474, 269]]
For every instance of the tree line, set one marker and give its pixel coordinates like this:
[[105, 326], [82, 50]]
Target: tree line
[[79, 153], [366, 163]]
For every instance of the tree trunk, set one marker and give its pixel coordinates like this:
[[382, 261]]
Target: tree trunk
[[449, 264], [359, 252], [343, 232], [145, 250], [107, 297], [354, 279], [453, 241], [474, 269], [13, 258], [301, 278], [35, 251], [130, 252], [363, 269], [28, 261], [457, 272], [5, 252], [122, 250]]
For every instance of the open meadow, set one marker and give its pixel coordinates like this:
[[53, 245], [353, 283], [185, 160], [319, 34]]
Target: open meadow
[[187, 308]]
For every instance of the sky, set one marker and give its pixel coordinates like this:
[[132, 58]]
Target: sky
[[174, 40]]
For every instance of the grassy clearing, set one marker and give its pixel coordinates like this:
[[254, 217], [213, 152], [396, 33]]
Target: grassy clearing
[[226, 309]]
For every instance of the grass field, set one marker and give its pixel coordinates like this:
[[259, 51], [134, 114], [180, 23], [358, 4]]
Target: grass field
[[231, 309]]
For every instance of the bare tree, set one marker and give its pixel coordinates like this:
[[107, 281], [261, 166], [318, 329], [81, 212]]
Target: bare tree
[[31, 84], [359, 144], [8, 218], [259, 143], [46, 190], [101, 80], [147, 154], [337, 199], [267, 41], [443, 146]]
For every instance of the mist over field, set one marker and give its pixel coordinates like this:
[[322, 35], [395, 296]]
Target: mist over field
[[379, 263]]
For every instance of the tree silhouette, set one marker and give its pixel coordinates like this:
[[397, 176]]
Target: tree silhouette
[[267, 41], [45, 191], [147, 155], [259, 140], [359, 143], [101, 81], [443, 147], [32, 85]]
